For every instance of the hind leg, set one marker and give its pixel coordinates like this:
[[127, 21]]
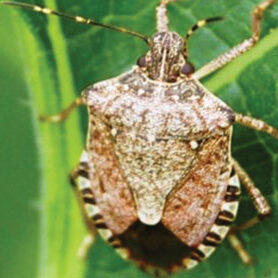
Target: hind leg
[[236, 243]]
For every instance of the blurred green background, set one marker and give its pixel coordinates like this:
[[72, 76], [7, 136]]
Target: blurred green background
[[46, 62], [19, 171]]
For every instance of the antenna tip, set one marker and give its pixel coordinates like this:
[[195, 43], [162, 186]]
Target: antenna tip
[[216, 18], [9, 3]]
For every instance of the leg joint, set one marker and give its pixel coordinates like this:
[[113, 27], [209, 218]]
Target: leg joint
[[265, 213]]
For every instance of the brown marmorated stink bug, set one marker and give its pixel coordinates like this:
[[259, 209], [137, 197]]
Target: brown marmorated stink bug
[[157, 179]]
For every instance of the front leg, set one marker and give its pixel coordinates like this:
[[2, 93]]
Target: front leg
[[63, 115], [241, 48]]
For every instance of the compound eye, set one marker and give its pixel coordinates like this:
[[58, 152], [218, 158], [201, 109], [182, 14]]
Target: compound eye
[[141, 62], [187, 68]]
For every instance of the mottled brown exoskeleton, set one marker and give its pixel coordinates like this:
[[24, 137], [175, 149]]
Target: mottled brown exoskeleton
[[157, 179]]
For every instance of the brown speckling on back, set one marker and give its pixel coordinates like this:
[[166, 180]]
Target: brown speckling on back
[[109, 186], [156, 178], [154, 131], [192, 208]]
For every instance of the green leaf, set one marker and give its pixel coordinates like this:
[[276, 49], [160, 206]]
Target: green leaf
[[61, 58]]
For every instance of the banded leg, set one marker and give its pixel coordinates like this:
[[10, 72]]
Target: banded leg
[[259, 201], [257, 198], [261, 206], [81, 180], [256, 124], [240, 48], [221, 227], [64, 114]]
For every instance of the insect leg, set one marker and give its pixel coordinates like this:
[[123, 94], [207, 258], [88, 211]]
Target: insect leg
[[63, 114], [162, 20], [237, 245], [85, 245], [261, 206], [255, 194], [256, 124], [257, 198], [239, 49]]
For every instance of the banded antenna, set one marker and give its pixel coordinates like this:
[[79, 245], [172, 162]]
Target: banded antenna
[[78, 19], [198, 25]]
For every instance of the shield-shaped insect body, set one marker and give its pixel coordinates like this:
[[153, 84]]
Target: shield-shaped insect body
[[159, 155], [157, 178]]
